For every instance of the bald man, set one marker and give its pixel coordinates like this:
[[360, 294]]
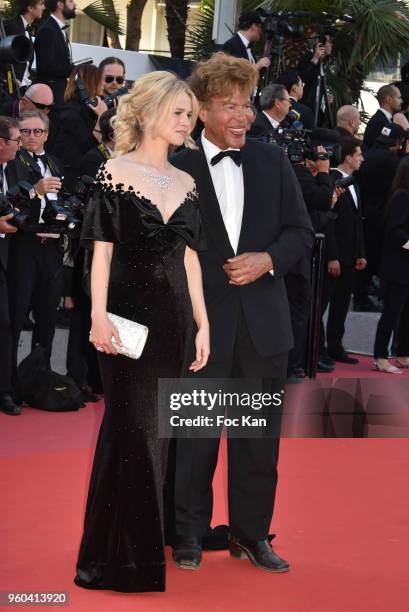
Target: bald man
[[36, 97], [348, 120]]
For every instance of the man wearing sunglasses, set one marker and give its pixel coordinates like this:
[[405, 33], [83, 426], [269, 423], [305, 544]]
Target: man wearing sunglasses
[[37, 97], [113, 75]]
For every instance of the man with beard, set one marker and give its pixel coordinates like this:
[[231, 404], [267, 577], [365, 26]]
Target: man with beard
[[53, 50]]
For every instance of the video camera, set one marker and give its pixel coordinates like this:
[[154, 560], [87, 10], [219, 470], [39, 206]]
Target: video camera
[[281, 23], [87, 99], [63, 215], [300, 144]]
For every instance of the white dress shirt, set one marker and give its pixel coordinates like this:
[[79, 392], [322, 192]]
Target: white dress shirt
[[227, 179], [246, 43], [26, 81], [45, 173], [351, 188], [273, 121]]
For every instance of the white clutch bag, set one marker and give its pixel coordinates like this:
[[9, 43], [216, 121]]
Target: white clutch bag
[[133, 336]]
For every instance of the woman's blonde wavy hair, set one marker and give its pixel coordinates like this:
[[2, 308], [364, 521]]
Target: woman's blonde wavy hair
[[150, 102]]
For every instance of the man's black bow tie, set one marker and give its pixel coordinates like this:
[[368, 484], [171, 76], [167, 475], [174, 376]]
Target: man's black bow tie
[[42, 157], [235, 155], [29, 29], [65, 27]]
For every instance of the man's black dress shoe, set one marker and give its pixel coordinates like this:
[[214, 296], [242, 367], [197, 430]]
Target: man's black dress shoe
[[187, 552], [8, 406], [324, 367], [259, 552], [327, 359], [343, 357]]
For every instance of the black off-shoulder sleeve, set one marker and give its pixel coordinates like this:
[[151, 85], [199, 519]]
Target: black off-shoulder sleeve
[[102, 216], [195, 234]]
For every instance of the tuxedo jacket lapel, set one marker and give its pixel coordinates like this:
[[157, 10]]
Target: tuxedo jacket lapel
[[209, 205]]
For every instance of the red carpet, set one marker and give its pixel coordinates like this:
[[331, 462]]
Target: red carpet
[[342, 519], [363, 370]]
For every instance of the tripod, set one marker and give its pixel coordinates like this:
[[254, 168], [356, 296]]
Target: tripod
[[321, 85]]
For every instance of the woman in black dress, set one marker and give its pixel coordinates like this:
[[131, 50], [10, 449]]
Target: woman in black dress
[[144, 222], [395, 277]]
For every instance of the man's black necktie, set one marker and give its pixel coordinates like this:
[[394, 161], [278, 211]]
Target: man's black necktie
[[234, 154]]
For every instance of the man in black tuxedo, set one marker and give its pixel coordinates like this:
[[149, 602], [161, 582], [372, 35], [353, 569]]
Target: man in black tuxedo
[[390, 102], [257, 227], [345, 253], [10, 173], [53, 50], [249, 32], [312, 71], [36, 259], [293, 82], [275, 104], [27, 12]]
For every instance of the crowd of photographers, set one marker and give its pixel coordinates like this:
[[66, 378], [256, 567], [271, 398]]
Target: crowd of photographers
[[57, 132]]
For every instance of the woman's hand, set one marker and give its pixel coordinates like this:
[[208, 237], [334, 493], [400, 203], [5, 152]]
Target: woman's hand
[[202, 343], [102, 331]]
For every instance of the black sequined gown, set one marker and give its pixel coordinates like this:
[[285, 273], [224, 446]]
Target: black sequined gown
[[122, 546]]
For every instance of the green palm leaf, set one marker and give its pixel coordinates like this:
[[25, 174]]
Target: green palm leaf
[[106, 16]]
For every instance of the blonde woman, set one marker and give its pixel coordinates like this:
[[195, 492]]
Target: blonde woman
[[143, 220]]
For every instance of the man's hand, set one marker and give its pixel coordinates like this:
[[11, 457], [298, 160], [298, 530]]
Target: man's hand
[[50, 184], [360, 264], [319, 53], [264, 62], [6, 228], [334, 268], [247, 267]]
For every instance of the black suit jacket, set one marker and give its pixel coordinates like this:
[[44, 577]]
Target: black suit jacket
[[275, 220], [235, 46], [345, 242], [374, 128], [395, 259], [16, 26], [53, 59], [306, 114], [375, 178], [15, 172], [261, 126]]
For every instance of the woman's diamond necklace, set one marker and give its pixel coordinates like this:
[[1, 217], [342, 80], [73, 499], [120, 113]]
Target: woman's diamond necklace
[[163, 181]]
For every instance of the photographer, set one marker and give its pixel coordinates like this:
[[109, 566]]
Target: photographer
[[36, 97], [113, 75], [345, 253], [275, 104], [348, 121], [27, 12], [250, 28], [10, 173], [317, 186], [79, 129], [293, 82], [312, 70], [36, 258]]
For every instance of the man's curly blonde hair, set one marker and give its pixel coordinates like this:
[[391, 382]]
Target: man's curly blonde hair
[[220, 75], [148, 105]]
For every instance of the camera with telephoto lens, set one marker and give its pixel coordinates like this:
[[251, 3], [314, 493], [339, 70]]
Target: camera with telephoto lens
[[68, 210], [300, 144], [344, 182], [87, 99], [281, 23], [18, 201]]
